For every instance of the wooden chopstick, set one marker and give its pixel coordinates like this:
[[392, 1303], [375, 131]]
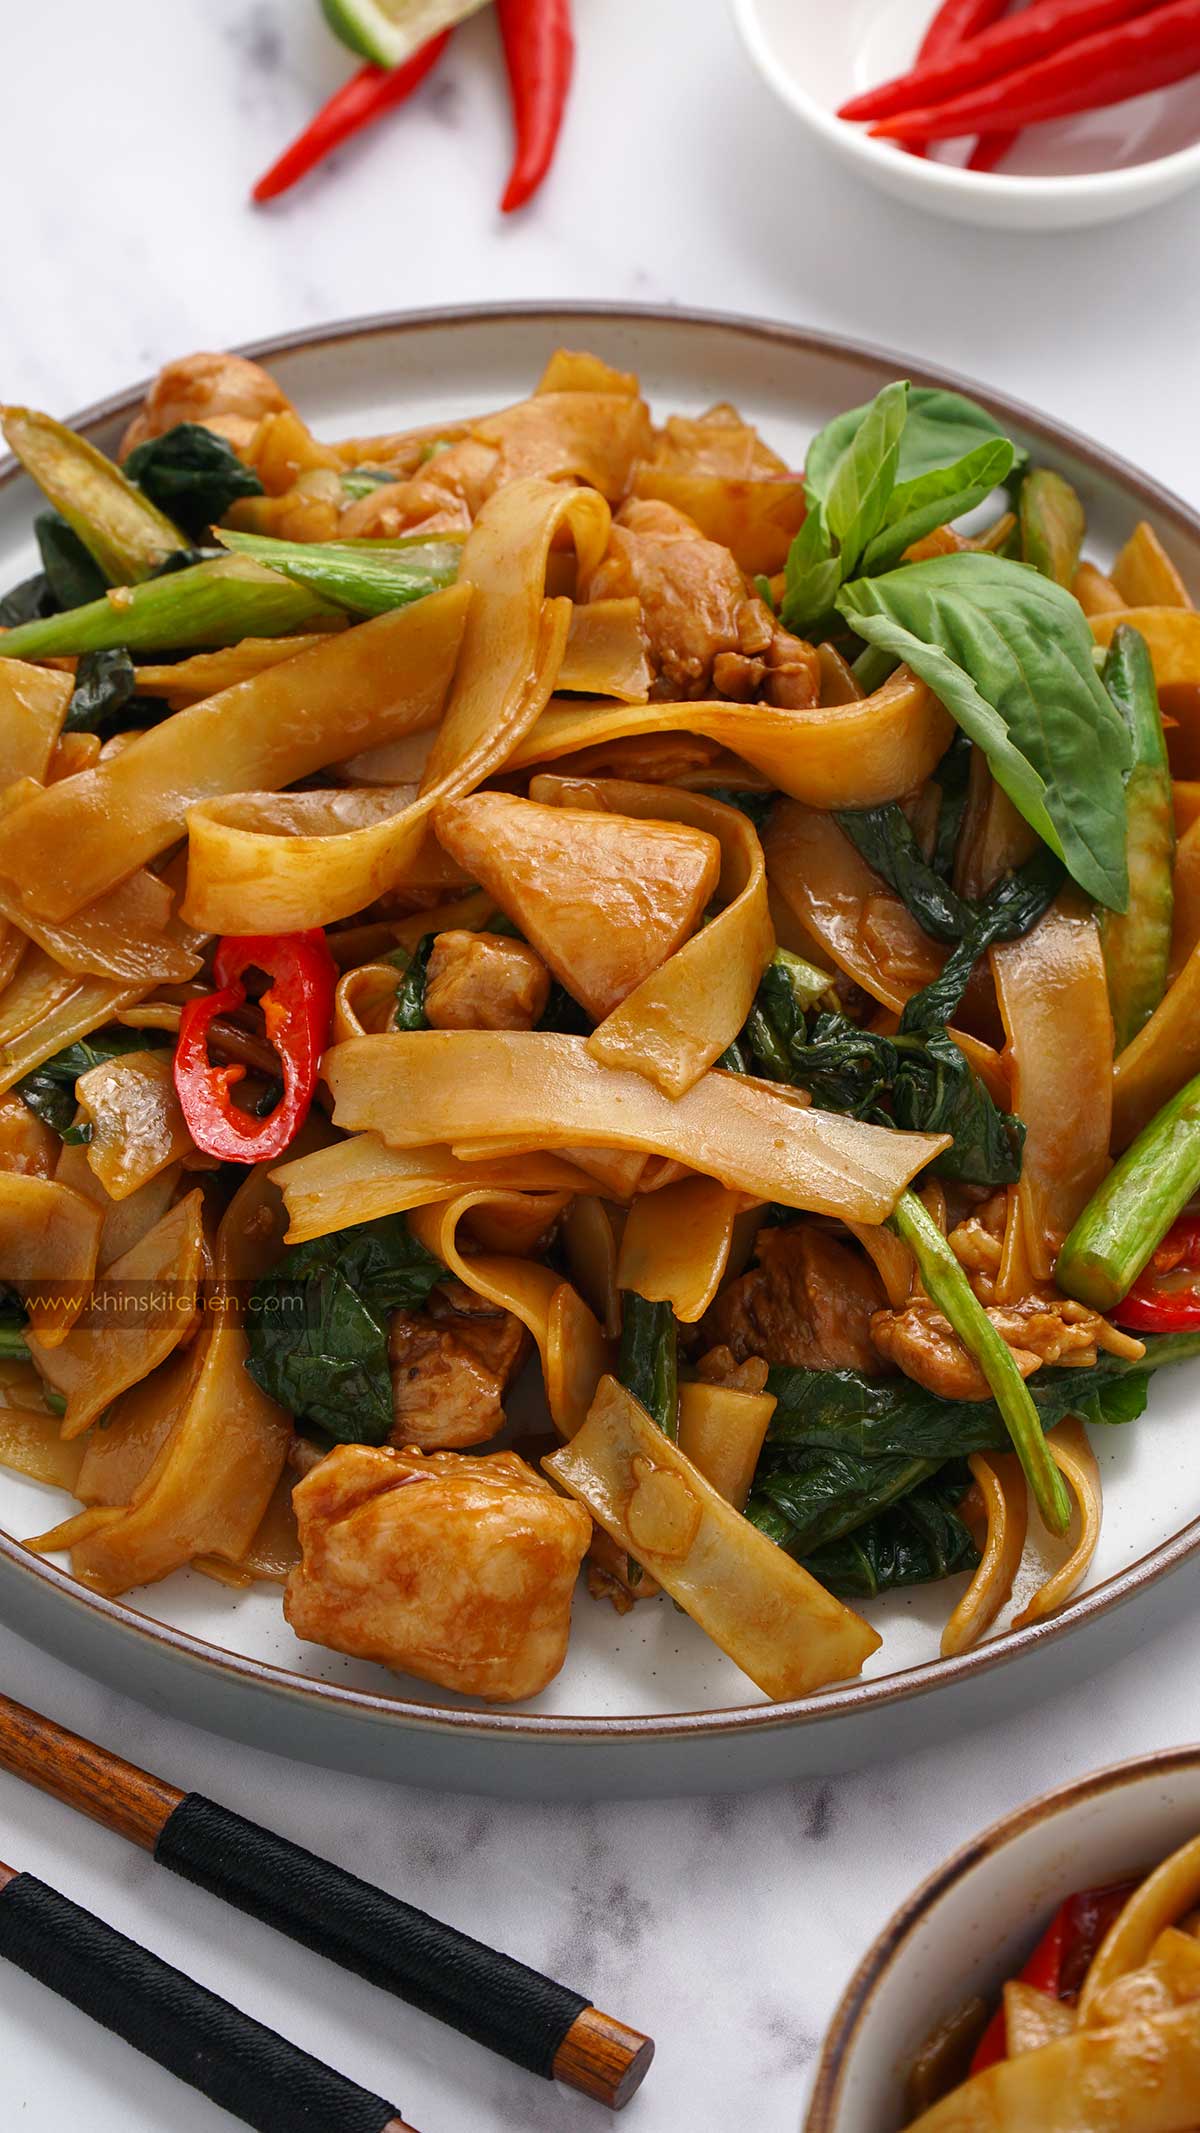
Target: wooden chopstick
[[236, 2062], [513, 2010]]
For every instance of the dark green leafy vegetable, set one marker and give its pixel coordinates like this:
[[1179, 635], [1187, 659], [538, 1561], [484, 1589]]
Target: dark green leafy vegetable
[[819, 1497], [757, 805], [409, 1012], [49, 1090], [1009, 653], [884, 836], [920, 1539], [105, 684], [649, 1359], [952, 777], [1006, 914], [13, 1345], [192, 475], [875, 1418], [72, 578], [318, 1326], [29, 601]]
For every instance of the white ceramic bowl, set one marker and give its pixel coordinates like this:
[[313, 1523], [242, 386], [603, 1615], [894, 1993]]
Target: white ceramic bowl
[[975, 1921], [1063, 175]]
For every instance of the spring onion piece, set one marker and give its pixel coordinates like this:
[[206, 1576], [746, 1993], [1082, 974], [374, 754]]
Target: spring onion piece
[[1126, 1220], [126, 534], [649, 1363], [369, 577], [1137, 942], [213, 603], [949, 1288]]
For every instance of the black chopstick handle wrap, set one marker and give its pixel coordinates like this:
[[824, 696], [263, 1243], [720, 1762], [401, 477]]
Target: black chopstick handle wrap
[[234, 2061], [485, 1995]]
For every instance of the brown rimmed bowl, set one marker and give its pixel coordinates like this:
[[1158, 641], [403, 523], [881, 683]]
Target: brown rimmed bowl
[[645, 1704], [971, 1925]]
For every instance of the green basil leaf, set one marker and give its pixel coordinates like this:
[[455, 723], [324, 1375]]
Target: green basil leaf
[[918, 1540], [942, 428], [1009, 653], [861, 484], [936, 499], [811, 577], [49, 1090]]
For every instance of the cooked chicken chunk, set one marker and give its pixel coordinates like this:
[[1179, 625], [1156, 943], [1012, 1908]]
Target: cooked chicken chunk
[[1038, 1329], [604, 899], [226, 393], [809, 1301], [457, 1569], [445, 494], [691, 592], [483, 981], [26, 1145], [452, 1364]]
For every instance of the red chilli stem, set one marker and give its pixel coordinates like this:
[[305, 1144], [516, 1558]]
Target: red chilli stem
[[358, 103]]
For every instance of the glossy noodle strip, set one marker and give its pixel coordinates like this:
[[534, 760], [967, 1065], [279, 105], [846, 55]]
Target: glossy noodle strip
[[75, 841], [848, 755], [453, 1086], [360, 1179], [1001, 1484], [570, 1342], [242, 878], [49, 1243], [675, 1244], [1077, 1463]]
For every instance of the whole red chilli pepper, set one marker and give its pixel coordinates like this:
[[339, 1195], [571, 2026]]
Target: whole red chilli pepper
[[297, 1007], [539, 52], [952, 25], [358, 103], [1149, 52], [1019, 40]]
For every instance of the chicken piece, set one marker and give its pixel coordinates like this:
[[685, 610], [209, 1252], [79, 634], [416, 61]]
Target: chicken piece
[[921, 1342], [26, 1145], [482, 981], [225, 393], [809, 1302], [604, 899], [691, 592], [451, 1365], [457, 1569]]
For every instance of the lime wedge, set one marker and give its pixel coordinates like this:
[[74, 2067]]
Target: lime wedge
[[390, 31]]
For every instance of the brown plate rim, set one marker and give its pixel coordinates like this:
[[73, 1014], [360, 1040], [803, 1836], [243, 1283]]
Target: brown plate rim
[[888, 1946], [829, 1705]]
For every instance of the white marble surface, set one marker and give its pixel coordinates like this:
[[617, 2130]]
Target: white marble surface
[[132, 131]]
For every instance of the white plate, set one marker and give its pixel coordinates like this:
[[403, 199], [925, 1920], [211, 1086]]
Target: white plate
[[1064, 175], [974, 1922], [644, 1703]]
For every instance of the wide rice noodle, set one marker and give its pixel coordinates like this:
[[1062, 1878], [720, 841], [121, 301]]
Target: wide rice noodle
[[448, 1086], [574, 1353], [73, 842], [138, 1312], [1053, 996], [850, 755], [360, 1179], [212, 1480], [49, 1244], [245, 879], [675, 1244]]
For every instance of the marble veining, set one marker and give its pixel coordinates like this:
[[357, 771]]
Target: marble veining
[[725, 1926]]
